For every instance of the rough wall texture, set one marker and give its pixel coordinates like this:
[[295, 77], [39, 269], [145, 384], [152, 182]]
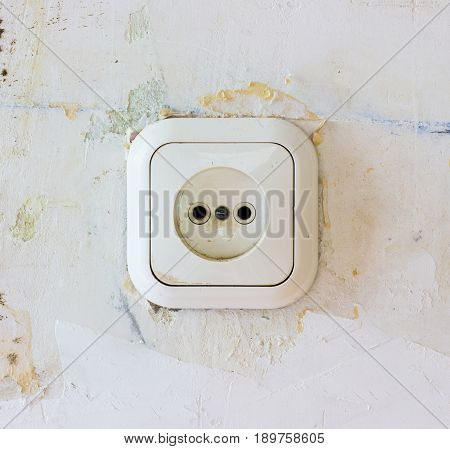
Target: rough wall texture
[[84, 73]]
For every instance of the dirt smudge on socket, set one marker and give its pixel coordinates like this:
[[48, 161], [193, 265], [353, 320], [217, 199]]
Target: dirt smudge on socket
[[324, 189]]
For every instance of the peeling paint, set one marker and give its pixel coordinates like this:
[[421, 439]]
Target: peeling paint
[[70, 109], [144, 104], [27, 217], [98, 127], [160, 314]]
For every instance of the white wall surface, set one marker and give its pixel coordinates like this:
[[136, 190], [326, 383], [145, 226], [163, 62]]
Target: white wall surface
[[379, 357]]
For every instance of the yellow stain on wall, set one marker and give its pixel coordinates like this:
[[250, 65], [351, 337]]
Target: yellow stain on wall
[[70, 109], [214, 102], [129, 287], [325, 216], [255, 88], [317, 138], [165, 112], [15, 352], [299, 319]]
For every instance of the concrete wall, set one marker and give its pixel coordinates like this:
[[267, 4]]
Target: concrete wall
[[84, 72]]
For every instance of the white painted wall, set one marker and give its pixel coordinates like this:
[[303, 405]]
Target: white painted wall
[[384, 161]]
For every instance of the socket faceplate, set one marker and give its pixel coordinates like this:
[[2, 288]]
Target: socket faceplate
[[222, 213]]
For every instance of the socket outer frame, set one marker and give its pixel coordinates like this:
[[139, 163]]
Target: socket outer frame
[[224, 130]]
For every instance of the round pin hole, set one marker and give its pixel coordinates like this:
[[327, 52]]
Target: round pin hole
[[199, 213], [244, 213], [222, 213]]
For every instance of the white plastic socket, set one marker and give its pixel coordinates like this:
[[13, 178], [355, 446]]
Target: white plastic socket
[[222, 213]]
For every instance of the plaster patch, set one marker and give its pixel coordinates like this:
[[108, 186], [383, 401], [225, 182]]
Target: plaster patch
[[27, 217], [257, 100], [169, 112], [138, 25], [17, 372], [70, 109], [246, 342]]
